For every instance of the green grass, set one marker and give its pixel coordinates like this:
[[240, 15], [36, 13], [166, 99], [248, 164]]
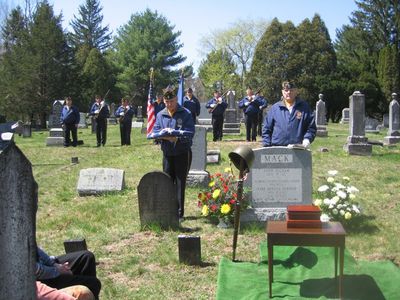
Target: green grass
[[143, 264]]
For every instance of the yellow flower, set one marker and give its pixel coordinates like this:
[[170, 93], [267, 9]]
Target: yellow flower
[[317, 202], [228, 170], [204, 210], [212, 183], [202, 196], [225, 209], [347, 215], [330, 179], [216, 193]]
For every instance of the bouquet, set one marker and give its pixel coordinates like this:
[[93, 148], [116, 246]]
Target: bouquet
[[336, 199], [220, 198]]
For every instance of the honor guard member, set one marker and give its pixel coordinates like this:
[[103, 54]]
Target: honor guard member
[[216, 107], [124, 113], [261, 113], [70, 118], [289, 121], [251, 107], [192, 104], [158, 104], [101, 112], [176, 150]]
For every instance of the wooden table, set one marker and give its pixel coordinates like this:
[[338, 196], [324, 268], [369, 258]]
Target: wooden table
[[331, 234]]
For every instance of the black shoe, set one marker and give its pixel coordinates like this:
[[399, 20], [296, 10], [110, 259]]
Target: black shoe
[[98, 145]]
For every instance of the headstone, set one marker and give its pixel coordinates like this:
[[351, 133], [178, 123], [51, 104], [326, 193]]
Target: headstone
[[26, 130], [279, 177], [139, 117], [213, 156], [320, 117], [386, 120], [231, 126], [198, 176], [345, 116], [393, 134], [204, 119], [82, 120], [189, 249], [18, 205], [56, 137], [357, 142], [75, 245], [112, 120], [371, 125], [136, 124], [54, 118], [96, 181], [157, 200]]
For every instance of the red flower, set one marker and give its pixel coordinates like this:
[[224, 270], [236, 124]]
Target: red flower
[[234, 195], [208, 195], [214, 207], [232, 201], [225, 188], [218, 174]]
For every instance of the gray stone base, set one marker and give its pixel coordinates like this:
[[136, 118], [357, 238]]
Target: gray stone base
[[391, 140], [231, 128], [55, 141], [213, 156], [322, 133], [198, 178], [344, 121], [56, 132], [263, 214], [358, 149]]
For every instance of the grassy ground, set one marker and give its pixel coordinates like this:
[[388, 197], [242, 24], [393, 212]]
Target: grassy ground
[[135, 264]]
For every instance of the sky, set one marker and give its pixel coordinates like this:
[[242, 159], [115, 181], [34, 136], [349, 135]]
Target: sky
[[198, 18]]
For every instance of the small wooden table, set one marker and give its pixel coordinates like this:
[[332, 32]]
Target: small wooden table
[[332, 234]]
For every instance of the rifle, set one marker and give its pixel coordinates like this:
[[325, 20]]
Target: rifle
[[103, 104], [212, 109]]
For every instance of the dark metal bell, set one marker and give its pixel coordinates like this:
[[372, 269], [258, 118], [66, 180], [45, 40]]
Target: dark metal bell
[[244, 153]]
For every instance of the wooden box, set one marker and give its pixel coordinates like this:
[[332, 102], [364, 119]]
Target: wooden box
[[303, 216]]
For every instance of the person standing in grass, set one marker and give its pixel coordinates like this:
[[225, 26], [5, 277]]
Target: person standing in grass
[[101, 112], [125, 114], [177, 154], [70, 118], [216, 107]]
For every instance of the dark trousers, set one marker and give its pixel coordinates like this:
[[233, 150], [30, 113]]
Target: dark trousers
[[178, 168], [125, 130], [83, 267], [251, 127], [101, 131], [260, 123], [70, 129], [217, 124]]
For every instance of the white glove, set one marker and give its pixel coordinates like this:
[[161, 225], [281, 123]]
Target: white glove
[[260, 107], [246, 103], [121, 113], [212, 105], [306, 143], [97, 111]]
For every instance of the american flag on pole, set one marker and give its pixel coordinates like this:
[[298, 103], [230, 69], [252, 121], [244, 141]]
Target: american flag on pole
[[181, 92], [151, 117]]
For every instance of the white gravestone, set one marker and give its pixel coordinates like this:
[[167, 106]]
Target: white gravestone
[[95, 181]]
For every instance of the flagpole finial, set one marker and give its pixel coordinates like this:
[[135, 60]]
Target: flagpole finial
[[151, 74]]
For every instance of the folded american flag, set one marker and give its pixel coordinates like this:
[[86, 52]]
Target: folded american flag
[[166, 132]]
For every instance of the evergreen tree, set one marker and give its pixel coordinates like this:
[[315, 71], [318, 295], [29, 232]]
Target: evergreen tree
[[388, 74], [87, 28], [146, 41]]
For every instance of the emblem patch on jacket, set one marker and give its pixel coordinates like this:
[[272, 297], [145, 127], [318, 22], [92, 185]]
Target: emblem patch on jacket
[[298, 115]]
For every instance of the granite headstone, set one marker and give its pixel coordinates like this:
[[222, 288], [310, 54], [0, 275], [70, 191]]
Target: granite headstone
[[393, 134], [198, 176], [320, 117], [96, 181]]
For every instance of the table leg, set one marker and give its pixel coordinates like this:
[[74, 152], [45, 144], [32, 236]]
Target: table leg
[[336, 260], [341, 267], [270, 267]]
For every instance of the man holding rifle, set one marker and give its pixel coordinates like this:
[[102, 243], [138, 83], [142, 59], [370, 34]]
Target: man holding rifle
[[101, 112], [217, 106]]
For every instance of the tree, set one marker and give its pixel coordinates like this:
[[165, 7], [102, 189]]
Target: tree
[[146, 41], [388, 74], [217, 71], [87, 28], [239, 40]]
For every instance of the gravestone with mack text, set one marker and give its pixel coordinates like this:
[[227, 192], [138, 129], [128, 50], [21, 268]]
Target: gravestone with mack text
[[198, 176], [96, 181], [393, 134], [279, 177], [18, 205], [157, 200]]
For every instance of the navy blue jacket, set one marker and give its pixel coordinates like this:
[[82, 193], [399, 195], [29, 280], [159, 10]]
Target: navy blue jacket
[[70, 116], [158, 106], [282, 128], [181, 120], [104, 112], [219, 109], [193, 105], [127, 116], [251, 108]]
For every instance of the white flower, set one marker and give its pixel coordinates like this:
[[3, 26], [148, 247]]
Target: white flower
[[352, 196], [356, 209], [352, 189], [331, 206], [345, 178], [339, 186], [332, 172], [342, 212], [317, 202], [323, 188], [330, 179], [327, 201], [335, 211], [335, 199], [324, 218], [341, 194], [347, 215]]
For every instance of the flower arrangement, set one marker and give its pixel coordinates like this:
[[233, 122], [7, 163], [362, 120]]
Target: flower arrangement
[[336, 199], [220, 198]]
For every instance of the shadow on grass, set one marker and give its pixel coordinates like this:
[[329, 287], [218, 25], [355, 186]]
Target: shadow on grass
[[301, 256], [362, 224]]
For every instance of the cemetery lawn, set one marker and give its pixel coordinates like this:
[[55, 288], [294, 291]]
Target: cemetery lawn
[[143, 264]]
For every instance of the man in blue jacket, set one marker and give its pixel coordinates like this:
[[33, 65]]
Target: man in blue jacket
[[70, 119], [101, 112], [251, 107], [177, 155], [192, 104], [289, 121], [216, 107], [125, 114]]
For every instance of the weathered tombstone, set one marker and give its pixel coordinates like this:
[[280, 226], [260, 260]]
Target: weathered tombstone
[[371, 125], [393, 134], [157, 200], [82, 120], [198, 176], [320, 117], [189, 249], [26, 130], [357, 142], [54, 118], [139, 117], [345, 116], [18, 205], [56, 137], [112, 120], [231, 126], [93, 124], [96, 181], [279, 177], [136, 124], [213, 156], [204, 119]]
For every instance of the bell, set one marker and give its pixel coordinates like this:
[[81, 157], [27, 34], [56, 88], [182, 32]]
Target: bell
[[244, 153]]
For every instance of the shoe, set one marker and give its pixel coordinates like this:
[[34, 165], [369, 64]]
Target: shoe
[[98, 145], [181, 220]]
